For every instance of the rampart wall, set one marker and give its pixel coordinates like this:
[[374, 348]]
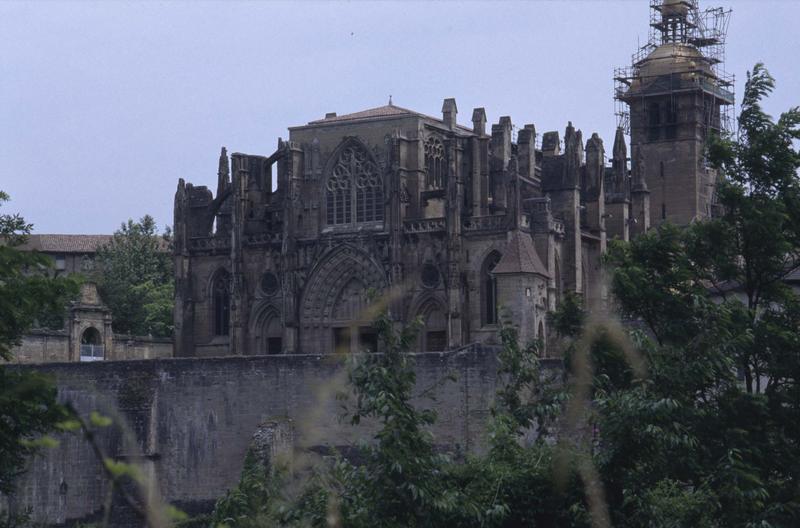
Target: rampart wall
[[193, 419]]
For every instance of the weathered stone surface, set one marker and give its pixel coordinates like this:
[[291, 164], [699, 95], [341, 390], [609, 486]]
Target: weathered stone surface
[[385, 199], [192, 420]]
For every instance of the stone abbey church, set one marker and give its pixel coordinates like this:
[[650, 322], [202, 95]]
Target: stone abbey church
[[461, 226]]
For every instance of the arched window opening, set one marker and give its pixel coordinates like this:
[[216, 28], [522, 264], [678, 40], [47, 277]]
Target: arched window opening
[[557, 276], [273, 336], [221, 304], [354, 182], [434, 163], [92, 345], [435, 330], [489, 289]]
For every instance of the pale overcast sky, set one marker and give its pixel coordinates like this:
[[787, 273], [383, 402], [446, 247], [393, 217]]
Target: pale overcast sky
[[104, 105]]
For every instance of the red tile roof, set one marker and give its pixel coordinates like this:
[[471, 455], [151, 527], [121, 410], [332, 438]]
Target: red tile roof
[[381, 111], [66, 243]]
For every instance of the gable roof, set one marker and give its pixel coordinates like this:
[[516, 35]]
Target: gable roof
[[520, 256], [66, 243], [379, 112]]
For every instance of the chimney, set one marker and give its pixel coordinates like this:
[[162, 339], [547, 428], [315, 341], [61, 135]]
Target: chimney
[[479, 121], [449, 112]]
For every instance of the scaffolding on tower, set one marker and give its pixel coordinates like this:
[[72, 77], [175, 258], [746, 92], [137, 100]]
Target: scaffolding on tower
[[706, 30]]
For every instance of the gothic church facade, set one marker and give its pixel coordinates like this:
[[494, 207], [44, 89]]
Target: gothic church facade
[[460, 226]]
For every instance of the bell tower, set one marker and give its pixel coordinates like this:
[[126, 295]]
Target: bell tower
[[671, 99]]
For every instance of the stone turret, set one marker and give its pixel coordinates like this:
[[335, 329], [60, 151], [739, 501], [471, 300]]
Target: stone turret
[[522, 285], [223, 174]]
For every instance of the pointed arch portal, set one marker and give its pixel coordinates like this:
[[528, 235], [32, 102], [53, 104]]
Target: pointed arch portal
[[335, 312]]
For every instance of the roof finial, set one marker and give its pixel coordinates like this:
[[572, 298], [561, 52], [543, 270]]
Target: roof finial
[[390, 99]]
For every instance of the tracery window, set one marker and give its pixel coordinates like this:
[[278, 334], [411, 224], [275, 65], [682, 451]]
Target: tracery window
[[221, 304], [434, 163], [489, 288], [355, 182]]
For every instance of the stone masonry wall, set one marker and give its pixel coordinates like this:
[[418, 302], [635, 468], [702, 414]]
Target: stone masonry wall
[[50, 346], [193, 419]]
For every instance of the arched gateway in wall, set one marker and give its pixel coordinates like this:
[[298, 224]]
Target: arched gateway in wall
[[334, 314]]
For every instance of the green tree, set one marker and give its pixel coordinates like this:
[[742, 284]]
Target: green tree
[[134, 274], [710, 437], [28, 406], [400, 480]]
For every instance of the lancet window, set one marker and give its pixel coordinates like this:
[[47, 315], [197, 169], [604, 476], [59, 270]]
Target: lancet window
[[354, 183], [434, 163], [221, 304], [489, 288]]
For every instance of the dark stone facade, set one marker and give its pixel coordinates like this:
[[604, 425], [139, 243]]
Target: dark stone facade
[[452, 224]]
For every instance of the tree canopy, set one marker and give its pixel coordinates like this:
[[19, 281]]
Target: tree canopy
[[134, 274], [28, 407]]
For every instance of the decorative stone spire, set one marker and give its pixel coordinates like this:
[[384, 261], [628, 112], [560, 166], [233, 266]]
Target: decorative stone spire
[[620, 148], [573, 154], [594, 167], [619, 164], [223, 174]]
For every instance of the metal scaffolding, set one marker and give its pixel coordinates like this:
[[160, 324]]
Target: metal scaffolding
[[681, 22]]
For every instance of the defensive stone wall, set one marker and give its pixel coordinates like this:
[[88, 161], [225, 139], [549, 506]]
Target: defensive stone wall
[[48, 346], [192, 419]]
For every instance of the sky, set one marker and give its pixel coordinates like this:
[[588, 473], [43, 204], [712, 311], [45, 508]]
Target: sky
[[104, 105]]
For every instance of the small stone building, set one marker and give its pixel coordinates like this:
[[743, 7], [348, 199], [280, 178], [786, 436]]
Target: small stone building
[[70, 253], [87, 336]]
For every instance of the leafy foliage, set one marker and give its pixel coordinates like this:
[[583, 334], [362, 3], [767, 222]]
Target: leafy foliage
[[709, 436], [26, 290], [28, 407], [401, 477], [28, 410], [134, 273], [252, 502]]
